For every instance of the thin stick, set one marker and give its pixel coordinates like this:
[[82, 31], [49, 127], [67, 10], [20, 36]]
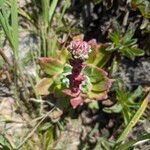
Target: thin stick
[[4, 57], [34, 129]]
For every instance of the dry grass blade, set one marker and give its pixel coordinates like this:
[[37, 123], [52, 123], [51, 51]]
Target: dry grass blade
[[4, 57], [34, 129]]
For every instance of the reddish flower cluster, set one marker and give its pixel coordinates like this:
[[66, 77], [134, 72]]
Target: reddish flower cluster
[[79, 51]]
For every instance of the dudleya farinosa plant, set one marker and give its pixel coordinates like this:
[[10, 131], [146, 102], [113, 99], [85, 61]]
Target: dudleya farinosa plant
[[71, 75]]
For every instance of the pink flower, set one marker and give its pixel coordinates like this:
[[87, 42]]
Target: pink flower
[[79, 49]]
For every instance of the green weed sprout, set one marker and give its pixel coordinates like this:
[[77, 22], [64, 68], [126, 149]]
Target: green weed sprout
[[126, 44]]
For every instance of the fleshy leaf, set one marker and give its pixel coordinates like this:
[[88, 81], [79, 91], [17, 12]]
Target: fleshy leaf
[[96, 96], [94, 73], [42, 87], [63, 55], [100, 83], [75, 102], [100, 86], [70, 93], [51, 66], [98, 56]]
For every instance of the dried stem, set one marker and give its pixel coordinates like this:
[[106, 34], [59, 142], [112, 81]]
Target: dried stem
[[4, 57]]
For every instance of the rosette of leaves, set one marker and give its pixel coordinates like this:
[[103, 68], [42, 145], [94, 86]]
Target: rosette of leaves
[[94, 83], [124, 44]]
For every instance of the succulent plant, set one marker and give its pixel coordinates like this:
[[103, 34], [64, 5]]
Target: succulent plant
[[74, 74]]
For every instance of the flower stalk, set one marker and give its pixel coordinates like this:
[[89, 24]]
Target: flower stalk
[[79, 51]]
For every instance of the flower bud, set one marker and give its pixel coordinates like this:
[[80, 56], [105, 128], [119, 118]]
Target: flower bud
[[79, 49]]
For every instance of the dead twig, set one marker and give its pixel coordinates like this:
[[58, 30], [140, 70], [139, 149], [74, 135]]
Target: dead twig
[[5, 57]]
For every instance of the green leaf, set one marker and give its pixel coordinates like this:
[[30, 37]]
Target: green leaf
[[51, 66], [52, 9], [129, 33], [115, 37], [100, 86], [99, 82], [134, 119], [9, 23], [128, 53], [14, 24], [48, 138], [137, 52], [45, 9], [61, 81], [6, 27], [124, 44], [99, 56], [94, 105], [64, 55], [144, 9], [103, 144], [135, 94], [117, 108], [97, 1], [112, 48], [129, 43], [122, 98], [4, 143], [52, 47], [2, 140], [94, 73], [131, 143], [1, 63], [96, 95], [114, 66], [132, 52], [45, 126], [66, 5]]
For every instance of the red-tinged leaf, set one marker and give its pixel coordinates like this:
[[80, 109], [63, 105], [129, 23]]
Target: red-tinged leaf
[[75, 102], [42, 87], [98, 56], [94, 73], [70, 93], [100, 83], [97, 96], [51, 66]]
